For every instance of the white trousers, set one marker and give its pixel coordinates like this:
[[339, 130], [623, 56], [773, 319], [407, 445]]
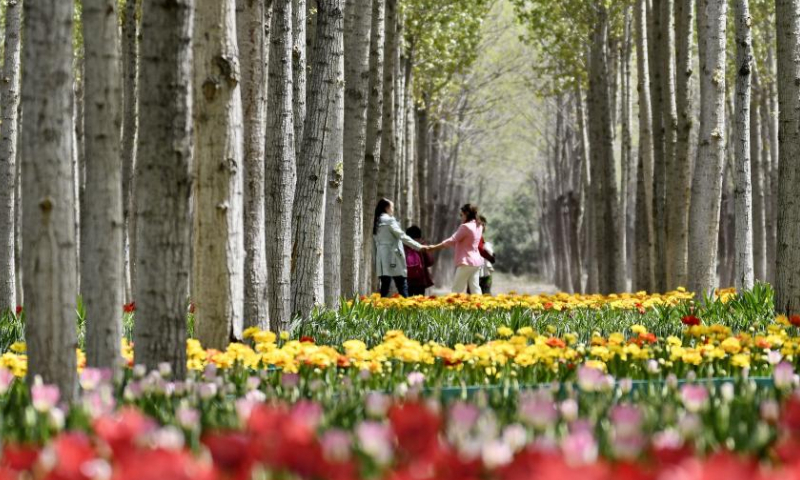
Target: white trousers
[[467, 275]]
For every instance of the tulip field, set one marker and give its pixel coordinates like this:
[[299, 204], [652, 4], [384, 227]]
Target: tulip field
[[510, 387]]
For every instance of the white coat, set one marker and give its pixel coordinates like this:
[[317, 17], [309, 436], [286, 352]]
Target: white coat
[[390, 258]]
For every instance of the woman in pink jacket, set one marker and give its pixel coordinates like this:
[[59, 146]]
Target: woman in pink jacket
[[467, 258]]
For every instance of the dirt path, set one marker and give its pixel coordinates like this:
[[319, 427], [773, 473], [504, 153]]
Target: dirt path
[[502, 283]]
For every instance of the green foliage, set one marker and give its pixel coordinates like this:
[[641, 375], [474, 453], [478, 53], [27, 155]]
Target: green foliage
[[514, 234], [442, 38]]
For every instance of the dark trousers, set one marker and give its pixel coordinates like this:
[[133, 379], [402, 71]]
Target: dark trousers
[[414, 290], [400, 282]]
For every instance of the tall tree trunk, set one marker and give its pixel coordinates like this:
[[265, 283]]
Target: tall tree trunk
[[358, 22], [757, 176], [252, 23], [656, 67], [588, 260], [770, 110], [603, 164], [332, 268], [626, 207], [129, 126], [372, 150], [281, 168], [388, 161], [707, 181], [742, 191], [48, 219], [102, 265], [644, 279], [300, 40], [163, 183], [682, 166], [319, 143], [675, 262], [423, 153], [787, 285], [9, 109], [218, 266]]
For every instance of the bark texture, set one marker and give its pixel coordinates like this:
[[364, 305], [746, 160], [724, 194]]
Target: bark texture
[[372, 150], [319, 140], [9, 110], [332, 267], [48, 216], [707, 182], [611, 273], [163, 184], [681, 186], [787, 286], [299, 65], [252, 36], [130, 55], [218, 231], [102, 265], [742, 191], [643, 278], [758, 177], [358, 22], [388, 161], [281, 171]]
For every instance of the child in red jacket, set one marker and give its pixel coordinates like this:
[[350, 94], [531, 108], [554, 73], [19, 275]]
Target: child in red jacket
[[417, 263]]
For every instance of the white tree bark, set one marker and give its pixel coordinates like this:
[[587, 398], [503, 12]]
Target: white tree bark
[[218, 240], [333, 192], [163, 184], [707, 181], [358, 22], [299, 66], [742, 191], [48, 217], [281, 171], [320, 143], [644, 214], [759, 177], [787, 286], [252, 36], [388, 159], [9, 109], [102, 233], [129, 127], [372, 150]]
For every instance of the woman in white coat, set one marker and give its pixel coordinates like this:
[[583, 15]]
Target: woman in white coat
[[390, 258]]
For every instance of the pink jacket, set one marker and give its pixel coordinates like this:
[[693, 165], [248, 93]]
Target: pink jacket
[[466, 241]]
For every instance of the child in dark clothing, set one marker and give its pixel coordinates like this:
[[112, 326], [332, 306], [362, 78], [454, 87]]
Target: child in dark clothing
[[417, 263]]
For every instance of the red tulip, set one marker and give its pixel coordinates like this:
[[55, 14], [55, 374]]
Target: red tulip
[[690, 320]]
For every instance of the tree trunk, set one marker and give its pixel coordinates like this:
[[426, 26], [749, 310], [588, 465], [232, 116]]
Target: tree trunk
[[48, 220], [757, 176], [644, 279], [333, 153], [626, 207], [787, 285], [218, 237], [770, 123], [675, 262], [372, 150], [299, 66], [9, 109], [281, 168], [388, 162], [102, 265], [656, 67], [742, 191], [319, 143], [163, 183], [129, 127], [680, 173], [423, 153], [707, 181], [252, 25], [358, 21], [611, 278]]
